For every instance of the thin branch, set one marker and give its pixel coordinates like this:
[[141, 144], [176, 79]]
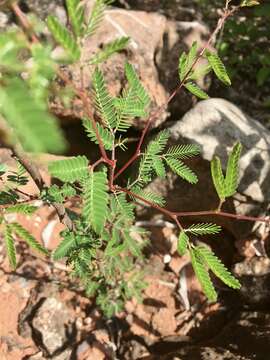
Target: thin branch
[[24, 22], [31, 168], [224, 214], [175, 215], [147, 202]]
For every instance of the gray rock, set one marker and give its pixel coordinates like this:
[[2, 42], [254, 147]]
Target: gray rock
[[43, 8], [51, 321], [254, 275], [205, 353], [63, 356], [216, 125], [4, 19], [245, 337], [175, 9]]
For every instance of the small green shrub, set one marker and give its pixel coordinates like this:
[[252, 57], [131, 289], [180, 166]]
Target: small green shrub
[[99, 243]]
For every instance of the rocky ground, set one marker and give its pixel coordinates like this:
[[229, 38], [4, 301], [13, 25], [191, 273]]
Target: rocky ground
[[44, 314]]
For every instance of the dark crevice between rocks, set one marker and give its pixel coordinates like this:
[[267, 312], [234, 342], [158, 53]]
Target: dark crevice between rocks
[[36, 334]]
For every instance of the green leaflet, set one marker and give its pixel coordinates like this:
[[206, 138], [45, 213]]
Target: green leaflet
[[114, 245], [200, 72], [135, 83], [70, 170], [202, 275], [218, 178], [3, 169], [182, 66], [21, 209], [66, 245], [182, 170], [11, 43], [103, 101], [10, 247], [154, 148], [76, 15], [186, 61], [8, 197], [195, 90], [130, 105], [203, 229], [42, 72], [68, 191], [17, 178], [106, 136], [192, 54], [120, 205], [109, 49], [249, 3], [232, 172], [95, 199], [149, 196], [159, 167], [182, 243], [97, 15], [32, 125], [59, 194], [64, 38], [218, 68], [183, 151], [132, 244], [28, 238], [218, 268]]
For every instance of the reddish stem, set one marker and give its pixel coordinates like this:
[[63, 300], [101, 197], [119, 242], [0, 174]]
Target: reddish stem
[[224, 214], [24, 21], [174, 215], [155, 206]]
